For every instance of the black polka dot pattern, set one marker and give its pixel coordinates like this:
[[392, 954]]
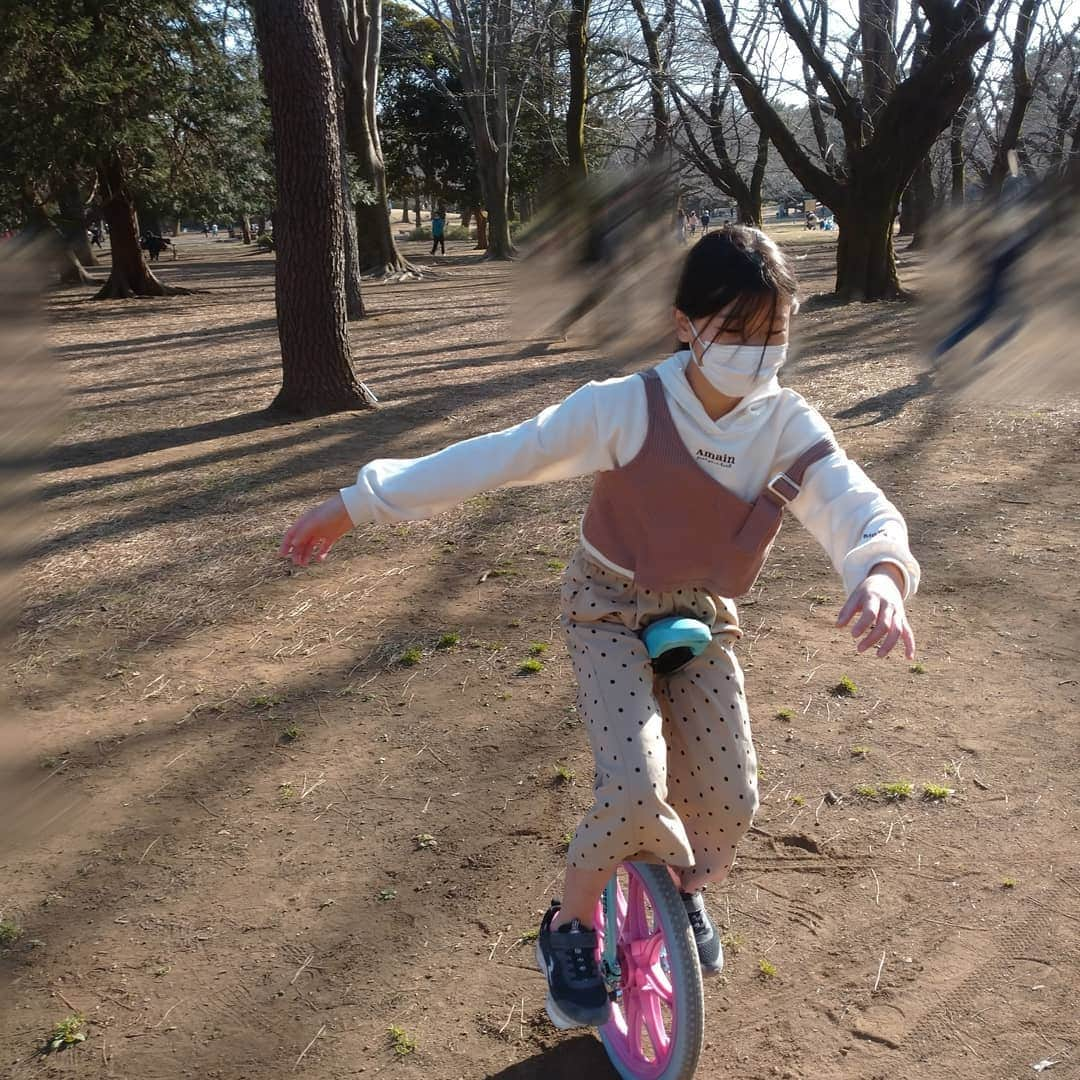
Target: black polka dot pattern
[[664, 748]]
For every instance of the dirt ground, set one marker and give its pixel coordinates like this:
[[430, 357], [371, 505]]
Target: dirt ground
[[257, 839]]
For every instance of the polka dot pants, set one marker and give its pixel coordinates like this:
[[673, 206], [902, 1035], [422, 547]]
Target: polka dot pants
[[675, 765]]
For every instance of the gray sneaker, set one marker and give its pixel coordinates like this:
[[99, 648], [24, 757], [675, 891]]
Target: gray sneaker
[[710, 951]]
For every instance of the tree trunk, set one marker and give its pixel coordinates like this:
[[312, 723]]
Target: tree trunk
[[917, 204], [317, 374], [130, 275], [73, 225], [466, 217], [71, 269], [577, 42], [377, 250], [481, 229], [958, 180], [245, 228], [331, 14], [177, 226], [416, 206], [405, 209], [865, 261]]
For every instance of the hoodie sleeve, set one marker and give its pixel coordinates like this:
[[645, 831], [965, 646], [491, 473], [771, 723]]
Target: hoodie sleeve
[[844, 510], [593, 429]]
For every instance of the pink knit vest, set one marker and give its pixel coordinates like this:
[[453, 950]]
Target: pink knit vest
[[663, 518]]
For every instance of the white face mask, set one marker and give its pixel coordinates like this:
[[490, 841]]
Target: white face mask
[[737, 370]]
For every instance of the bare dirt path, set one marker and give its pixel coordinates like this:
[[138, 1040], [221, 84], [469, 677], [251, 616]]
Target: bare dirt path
[[270, 830]]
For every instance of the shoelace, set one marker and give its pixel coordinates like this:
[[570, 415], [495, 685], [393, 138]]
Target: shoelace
[[697, 922], [583, 959]]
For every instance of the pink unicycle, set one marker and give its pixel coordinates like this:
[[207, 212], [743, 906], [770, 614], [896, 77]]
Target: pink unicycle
[[647, 952], [649, 961]]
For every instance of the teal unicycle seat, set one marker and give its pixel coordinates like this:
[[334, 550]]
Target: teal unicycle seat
[[675, 641]]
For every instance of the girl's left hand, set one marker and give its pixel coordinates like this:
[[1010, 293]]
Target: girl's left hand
[[882, 620]]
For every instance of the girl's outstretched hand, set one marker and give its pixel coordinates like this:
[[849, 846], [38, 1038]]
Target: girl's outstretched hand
[[313, 534], [882, 620]]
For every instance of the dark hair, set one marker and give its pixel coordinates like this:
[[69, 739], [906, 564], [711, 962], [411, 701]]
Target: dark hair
[[736, 267]]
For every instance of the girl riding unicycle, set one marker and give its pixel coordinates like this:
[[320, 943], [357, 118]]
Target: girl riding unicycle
[[695, 461]]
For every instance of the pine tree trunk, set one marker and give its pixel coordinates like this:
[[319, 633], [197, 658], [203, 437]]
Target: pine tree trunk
[[317, 374], [130, 275], [865, 260]]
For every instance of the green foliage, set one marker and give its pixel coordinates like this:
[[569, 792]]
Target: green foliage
[[844, 688], [766, 969], [538, 648], [167, 89], [291, 733], [411, 656], [936, 792], [917, 668], [899, 790], [65, 1034], [787, 715], [530, 667], [867, 791], [10, 932], [860, 751], [402, 1042], [563, 775], [449, 640], [425, 842]]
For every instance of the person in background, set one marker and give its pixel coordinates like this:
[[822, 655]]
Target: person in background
[[438, 230]]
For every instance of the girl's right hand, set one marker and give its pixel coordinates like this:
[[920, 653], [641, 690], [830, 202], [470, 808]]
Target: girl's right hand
[[313, 534]]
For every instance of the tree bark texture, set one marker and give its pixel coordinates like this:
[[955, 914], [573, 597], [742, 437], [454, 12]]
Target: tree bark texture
[[917, 204], [362, 43], [130, 274], [309, 235], [73, 224], [577, 43], [332, 15], [245, 228]]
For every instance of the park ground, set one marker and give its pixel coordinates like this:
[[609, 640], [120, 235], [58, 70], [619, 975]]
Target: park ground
[[303, 822]]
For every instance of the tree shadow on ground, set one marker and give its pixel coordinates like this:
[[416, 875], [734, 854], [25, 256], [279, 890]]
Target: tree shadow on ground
[[571, 1060], [889, 405]]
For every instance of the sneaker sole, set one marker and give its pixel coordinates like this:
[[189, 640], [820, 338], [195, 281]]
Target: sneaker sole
[[560, 1019]]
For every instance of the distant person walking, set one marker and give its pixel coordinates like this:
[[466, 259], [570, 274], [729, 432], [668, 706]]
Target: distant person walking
[[693, 223], [704, 222], [438, 230]]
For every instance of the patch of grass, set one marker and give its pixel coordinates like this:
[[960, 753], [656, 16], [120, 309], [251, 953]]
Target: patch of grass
[[411, 656], [538, 648], [529, 935], [1008, 883], [425, 841], [10, 932], [799, 800], [859, 751], [766, 969], [566, 840], [901, 789], [65, 1034], [448, 641], [787, 715], [867, 791], [732, 942], [265, 701], [917, 668], [819, 598], [286, 792], [563, 775], [384, 896], [844, 688], [291, 733], [556, 564], [936, 792], [530, 667], [402, 1042]]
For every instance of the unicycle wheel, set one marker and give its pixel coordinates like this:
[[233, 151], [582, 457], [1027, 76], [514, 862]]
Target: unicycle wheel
[[658, 1015]]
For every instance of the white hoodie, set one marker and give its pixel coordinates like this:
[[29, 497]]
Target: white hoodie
[[603, 425]]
